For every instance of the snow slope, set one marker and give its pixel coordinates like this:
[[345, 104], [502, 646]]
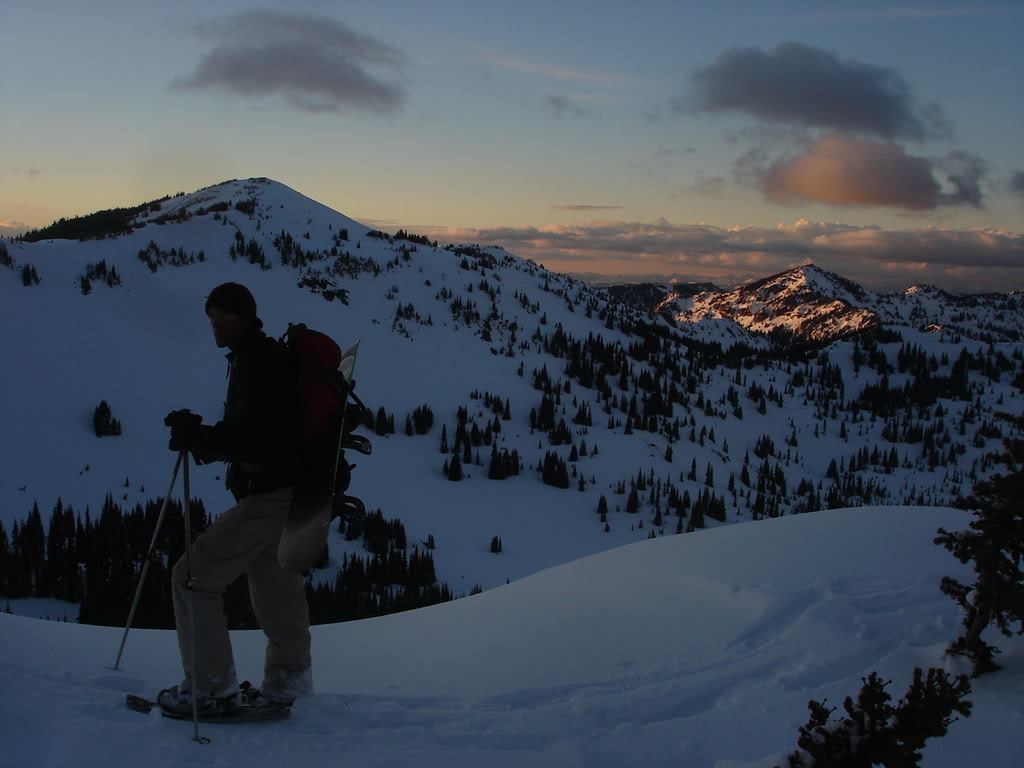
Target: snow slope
[[145, 347], [698, 650]]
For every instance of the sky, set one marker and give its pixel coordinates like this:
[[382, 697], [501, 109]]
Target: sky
[[719, 141]]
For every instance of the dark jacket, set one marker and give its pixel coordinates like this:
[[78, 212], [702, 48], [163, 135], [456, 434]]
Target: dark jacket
[[259, 434]]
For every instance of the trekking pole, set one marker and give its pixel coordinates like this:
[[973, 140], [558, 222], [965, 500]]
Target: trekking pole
[[149, 557], [194, 666]]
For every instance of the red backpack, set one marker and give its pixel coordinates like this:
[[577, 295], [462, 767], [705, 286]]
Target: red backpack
[[329, 409]]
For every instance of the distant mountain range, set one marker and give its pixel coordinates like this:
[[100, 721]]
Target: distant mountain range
[[813, 304]]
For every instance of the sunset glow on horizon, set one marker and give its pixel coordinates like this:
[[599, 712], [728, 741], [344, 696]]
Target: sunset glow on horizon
[[659, 140]]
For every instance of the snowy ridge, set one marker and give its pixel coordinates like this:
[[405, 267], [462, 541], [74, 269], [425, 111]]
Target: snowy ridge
[[695, 651], [814, 304], [808, 302]]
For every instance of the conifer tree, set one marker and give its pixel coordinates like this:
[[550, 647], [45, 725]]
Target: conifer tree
[[103, 421], [29, 276], [494, 469], [633, 502], [877, 733], [455, 468], [994, 545], [554, 470]]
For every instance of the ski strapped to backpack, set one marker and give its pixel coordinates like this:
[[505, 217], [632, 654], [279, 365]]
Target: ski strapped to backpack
[[329, 411]]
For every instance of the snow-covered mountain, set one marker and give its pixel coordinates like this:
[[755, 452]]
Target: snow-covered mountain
[[699, 649], [627, 409], [813, 304], [654, 296]]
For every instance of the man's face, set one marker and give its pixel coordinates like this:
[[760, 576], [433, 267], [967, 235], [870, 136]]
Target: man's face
[[227, 326]]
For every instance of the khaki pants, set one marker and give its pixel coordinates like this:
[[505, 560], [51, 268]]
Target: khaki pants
[[244, 540]]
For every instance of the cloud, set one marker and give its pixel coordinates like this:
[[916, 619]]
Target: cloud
[[839, 170], [562, 105], [971, 259], [842, 171], [664, 152], [831, 131], [964, 172], [1017, 183], [705, 186], [903, 12], [12, 228], [802, 85], [586, 207], [317, 63], [591, 77]]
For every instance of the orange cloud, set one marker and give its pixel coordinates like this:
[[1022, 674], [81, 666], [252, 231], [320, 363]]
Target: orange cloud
[[838, 170]]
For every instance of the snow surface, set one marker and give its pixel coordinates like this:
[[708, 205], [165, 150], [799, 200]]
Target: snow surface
[[697, 650]]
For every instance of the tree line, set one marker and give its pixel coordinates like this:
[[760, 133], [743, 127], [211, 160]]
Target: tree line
[[96, 560]]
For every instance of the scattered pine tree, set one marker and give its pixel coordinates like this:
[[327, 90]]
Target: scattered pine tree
[[994, 545], [103, 421], [877, 733]]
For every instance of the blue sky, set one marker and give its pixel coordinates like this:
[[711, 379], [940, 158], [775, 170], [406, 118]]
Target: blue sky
[[722, 141]]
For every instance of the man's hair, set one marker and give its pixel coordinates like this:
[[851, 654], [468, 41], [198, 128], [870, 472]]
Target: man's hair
[[233, 297]]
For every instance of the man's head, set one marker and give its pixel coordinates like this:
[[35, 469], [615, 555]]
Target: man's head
[[232, 312]]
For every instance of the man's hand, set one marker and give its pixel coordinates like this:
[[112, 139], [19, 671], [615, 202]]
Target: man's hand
[[185, 429], [188, 433]]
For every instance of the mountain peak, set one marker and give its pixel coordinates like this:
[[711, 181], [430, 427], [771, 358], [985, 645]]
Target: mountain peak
[[809, 278], [258, 196], [807, 301]]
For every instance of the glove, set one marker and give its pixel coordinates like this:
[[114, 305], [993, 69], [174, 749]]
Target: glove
[[186, 428], [188, 433]]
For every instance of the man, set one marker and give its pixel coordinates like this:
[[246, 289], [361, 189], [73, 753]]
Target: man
[[258, 436]]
